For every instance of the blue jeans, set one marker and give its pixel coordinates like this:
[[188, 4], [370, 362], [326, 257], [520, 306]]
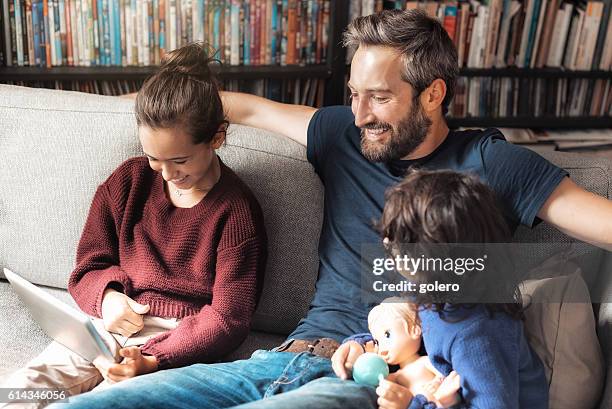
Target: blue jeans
[[267, 380]]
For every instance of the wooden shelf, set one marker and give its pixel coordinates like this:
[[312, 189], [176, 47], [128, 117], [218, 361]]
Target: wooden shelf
[[533, 122], [140, 73], [533, 73]]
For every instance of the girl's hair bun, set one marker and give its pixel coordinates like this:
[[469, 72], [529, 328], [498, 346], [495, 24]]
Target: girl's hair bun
[[193, 60]]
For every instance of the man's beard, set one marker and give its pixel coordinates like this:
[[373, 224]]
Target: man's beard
[[410, 133]]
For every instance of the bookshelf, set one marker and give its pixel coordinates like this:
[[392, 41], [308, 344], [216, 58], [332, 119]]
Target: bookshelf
[[528, 89], [238, 71], [528, 72]]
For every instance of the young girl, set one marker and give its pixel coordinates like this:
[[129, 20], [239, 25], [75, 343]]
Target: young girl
[[172, 255], [484, 343]]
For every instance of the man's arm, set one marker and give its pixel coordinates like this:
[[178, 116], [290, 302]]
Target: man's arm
[[246, 109], [285, 119], [579, 213]]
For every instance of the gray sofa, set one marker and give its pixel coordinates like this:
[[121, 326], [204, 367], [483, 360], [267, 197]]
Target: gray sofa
[[56, 147]]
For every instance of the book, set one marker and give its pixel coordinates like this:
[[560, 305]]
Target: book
[[606, 57], [573, 41], [588, 37], [546, 36], [492, 30], [559, 41]]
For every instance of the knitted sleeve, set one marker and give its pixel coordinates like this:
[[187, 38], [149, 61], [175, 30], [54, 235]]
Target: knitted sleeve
[[97, 260]]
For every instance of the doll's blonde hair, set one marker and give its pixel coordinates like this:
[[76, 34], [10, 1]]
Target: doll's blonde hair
[[395, 307]]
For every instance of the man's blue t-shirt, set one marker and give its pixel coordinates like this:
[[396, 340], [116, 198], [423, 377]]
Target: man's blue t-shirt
[[354, 199]]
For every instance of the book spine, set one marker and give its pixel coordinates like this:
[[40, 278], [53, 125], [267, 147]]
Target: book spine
[[139, 33], [450, 20], [47, 33], [123, 23], [36, 32], [146, 52], [235, 33], [19, 32], [162, 27], [172, 25], [62, 32], [291, 33], [85, 33], [606, 57], [30, 33], [150, 40], [73, 33]]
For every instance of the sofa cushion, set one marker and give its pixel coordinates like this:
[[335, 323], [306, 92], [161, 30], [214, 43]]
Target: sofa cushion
[[560, 327]]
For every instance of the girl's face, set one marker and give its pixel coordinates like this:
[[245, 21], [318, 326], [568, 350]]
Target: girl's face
[[172, 152], [397, 343]]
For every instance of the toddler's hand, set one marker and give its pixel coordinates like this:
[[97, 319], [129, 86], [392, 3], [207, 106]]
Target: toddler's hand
[[121, 314], [344, 358], [392, 395]]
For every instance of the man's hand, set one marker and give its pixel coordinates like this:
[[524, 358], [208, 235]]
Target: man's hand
[[134, 363], [392, 395], [121, 314], [344, 358]]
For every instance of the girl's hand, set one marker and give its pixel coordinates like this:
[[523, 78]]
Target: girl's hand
[[121, 314], [133, 364], [392, 395]]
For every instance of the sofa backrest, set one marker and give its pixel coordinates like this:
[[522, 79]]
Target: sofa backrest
[[56, 147]]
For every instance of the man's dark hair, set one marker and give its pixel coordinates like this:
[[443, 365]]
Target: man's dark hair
[[426, 50]]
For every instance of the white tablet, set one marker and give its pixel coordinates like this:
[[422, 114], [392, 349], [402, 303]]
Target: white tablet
[[66, 325]]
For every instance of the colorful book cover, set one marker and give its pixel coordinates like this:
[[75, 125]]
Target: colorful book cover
[[172, 26], [95, 24], [216, 25], [139, 33], [283, 28], [86, 51], [29, 32], [74, 32], [450, 19], [150, 34], [45, 42], [62, 32], [291, 32], [112, 32], [227, 31], [105, 55], [117, 29], [235, 33], [274, 29], [18, 32], [156, 59], [162, 26], [252, 32], [68, 23], [99, 53], [133, 26], [532, 32], [247, 34], [123, 22], [36, 31], [57, 33]]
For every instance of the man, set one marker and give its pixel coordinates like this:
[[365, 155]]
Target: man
[[402, 80]]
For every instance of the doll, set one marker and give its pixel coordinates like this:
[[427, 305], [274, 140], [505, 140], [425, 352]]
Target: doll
[[395, 326]]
